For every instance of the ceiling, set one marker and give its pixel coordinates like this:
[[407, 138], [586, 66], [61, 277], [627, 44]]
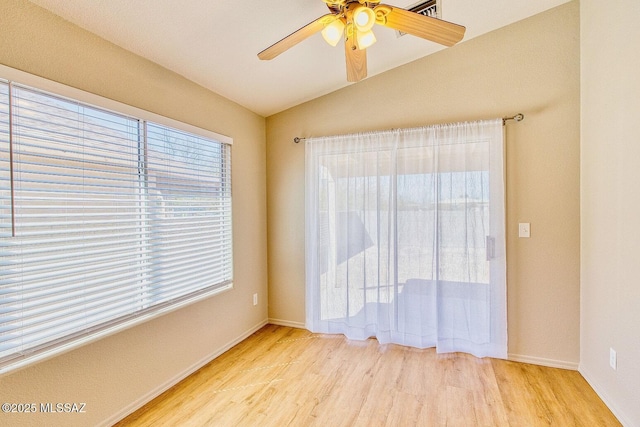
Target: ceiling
[[215, 42]]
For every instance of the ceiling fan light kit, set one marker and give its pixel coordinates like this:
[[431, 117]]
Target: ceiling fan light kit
[[355, 19]]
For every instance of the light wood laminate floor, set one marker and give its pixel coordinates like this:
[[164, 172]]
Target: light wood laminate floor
[[283, 376]]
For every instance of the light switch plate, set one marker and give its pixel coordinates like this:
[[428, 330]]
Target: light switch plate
[[524, 229], [613, 359]]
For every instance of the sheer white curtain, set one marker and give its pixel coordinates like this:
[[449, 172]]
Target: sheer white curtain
[[405, 237]]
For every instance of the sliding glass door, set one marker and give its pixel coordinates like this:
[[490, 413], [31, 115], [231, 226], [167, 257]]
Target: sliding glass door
[[405, 237]]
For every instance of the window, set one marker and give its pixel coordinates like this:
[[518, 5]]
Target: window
[[106, 220]]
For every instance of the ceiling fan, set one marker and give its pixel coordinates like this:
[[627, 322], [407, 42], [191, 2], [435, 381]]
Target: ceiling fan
[[355, 19]]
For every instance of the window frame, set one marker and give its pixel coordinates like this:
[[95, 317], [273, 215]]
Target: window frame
[[12, 76]]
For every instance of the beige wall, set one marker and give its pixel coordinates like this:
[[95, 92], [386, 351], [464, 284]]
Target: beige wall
[[531, 67], [610, 179], [123, 370]]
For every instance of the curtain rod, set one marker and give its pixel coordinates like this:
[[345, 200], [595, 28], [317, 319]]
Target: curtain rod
[[518, 118]]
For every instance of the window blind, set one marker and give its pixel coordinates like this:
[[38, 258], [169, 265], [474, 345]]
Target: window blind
[[105, 219], [188, 212]]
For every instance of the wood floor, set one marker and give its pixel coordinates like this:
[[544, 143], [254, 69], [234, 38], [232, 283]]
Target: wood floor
[[282, 376]]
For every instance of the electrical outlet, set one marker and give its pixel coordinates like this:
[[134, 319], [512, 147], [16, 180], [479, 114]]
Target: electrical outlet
[[613, 359], [255, 299]]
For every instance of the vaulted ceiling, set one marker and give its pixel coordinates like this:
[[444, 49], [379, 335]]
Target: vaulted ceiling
[[215, 42]]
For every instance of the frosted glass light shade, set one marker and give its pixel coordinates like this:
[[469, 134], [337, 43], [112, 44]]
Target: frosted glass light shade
[[364, 18], [366, 39], [333, 32]]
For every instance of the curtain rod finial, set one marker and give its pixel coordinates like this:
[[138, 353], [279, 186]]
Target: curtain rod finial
[[518, 118]]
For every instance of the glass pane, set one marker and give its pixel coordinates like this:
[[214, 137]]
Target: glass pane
[[76, 260], [189, 212]]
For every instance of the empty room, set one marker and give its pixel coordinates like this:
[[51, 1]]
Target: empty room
[[319, 212]]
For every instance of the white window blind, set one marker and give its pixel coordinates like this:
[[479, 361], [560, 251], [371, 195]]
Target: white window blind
[[105, 219], [188, 212]]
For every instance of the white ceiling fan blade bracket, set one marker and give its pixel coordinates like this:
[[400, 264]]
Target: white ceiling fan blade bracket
[[328, 19], [382, 11], [335, 6]]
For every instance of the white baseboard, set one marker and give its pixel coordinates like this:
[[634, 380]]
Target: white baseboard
[[551, 363], [595, 385], [288, 323], [129, 409]]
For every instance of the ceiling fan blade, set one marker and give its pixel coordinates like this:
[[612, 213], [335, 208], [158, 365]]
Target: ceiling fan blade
[[433, 29], [296, 37], [356, 61]]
